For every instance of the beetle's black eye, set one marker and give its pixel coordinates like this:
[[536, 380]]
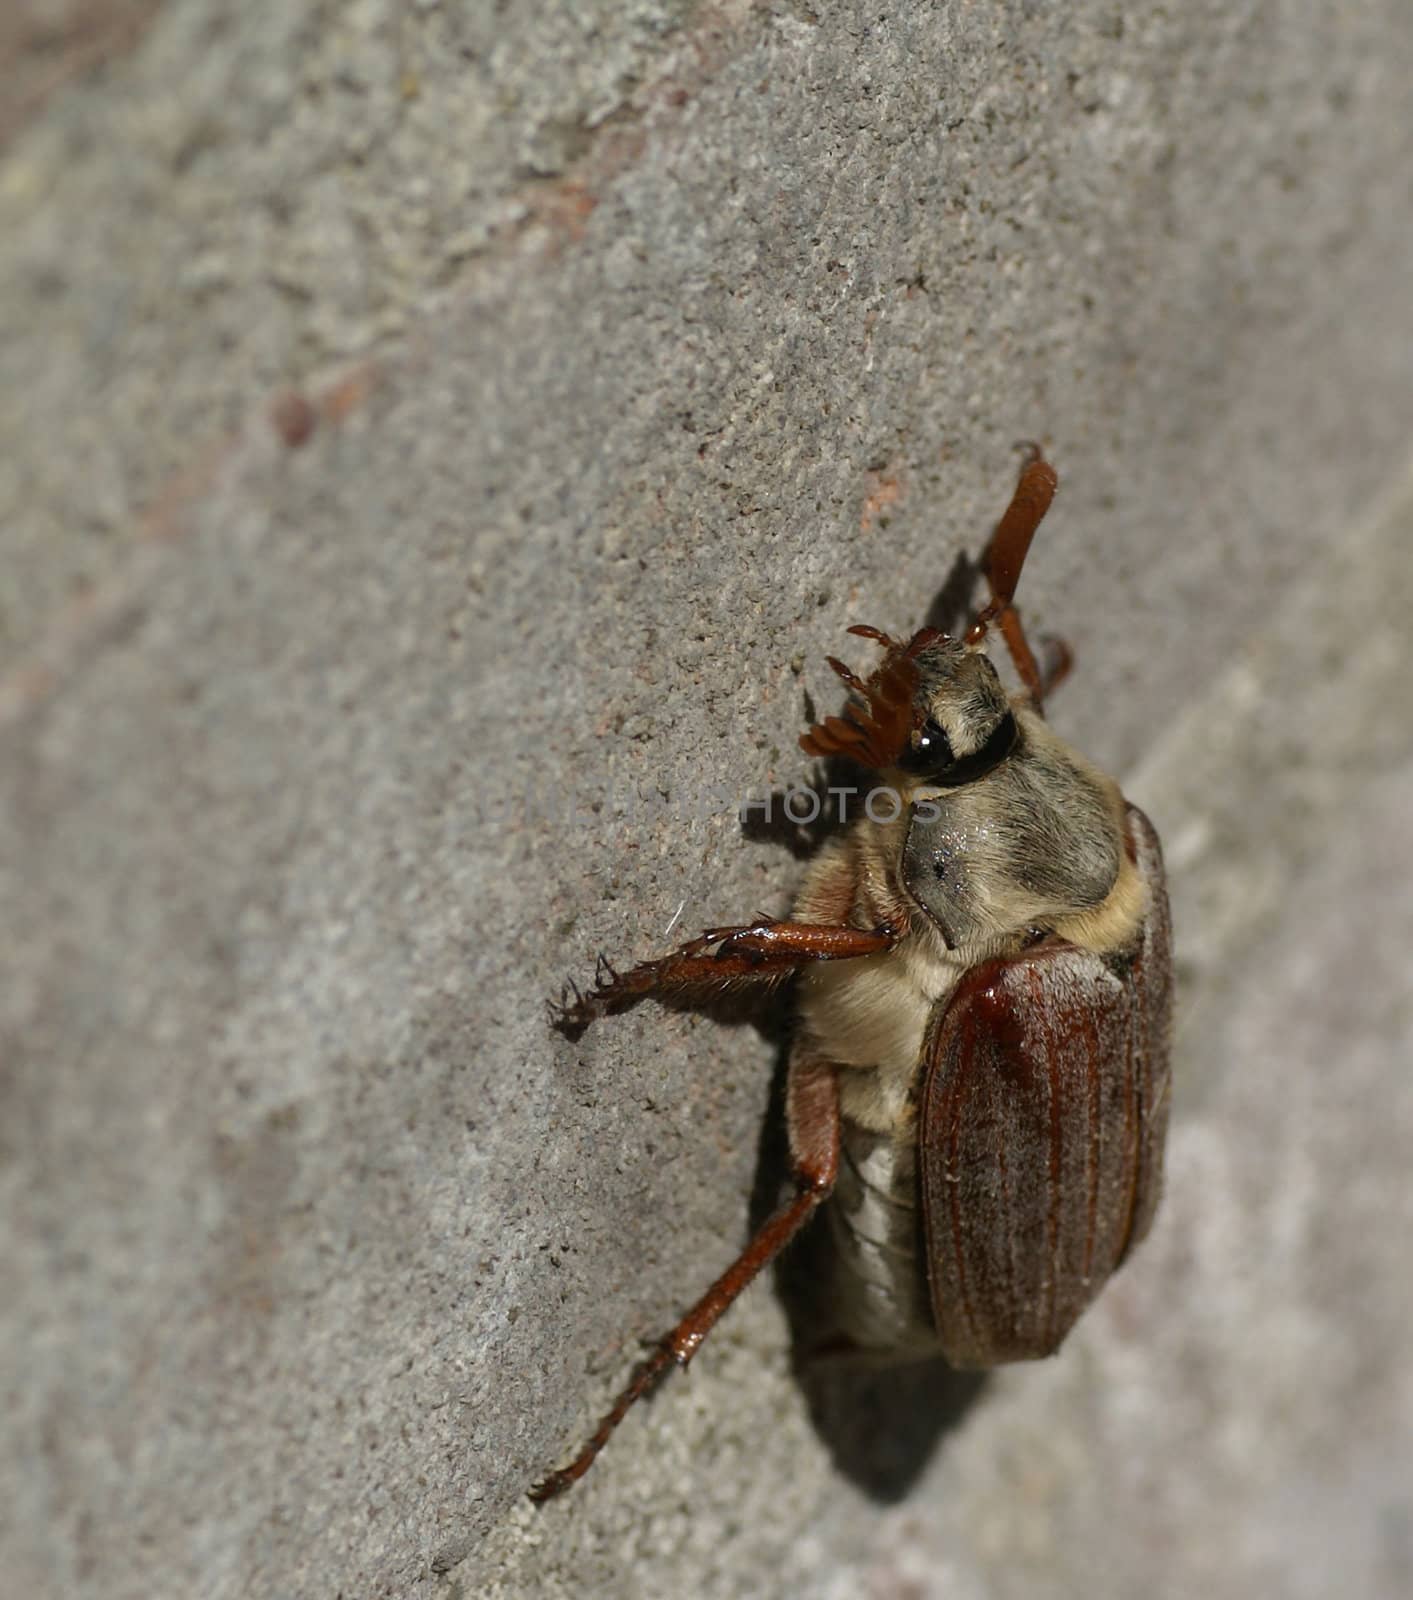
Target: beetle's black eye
[[932, 758], [931, 753]]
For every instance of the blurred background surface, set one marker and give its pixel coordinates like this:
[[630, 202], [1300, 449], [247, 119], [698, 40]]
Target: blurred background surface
[[437, 439]]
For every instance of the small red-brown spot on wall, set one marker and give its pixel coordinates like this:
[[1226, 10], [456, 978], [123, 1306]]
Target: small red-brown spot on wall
[[293, 417], [884, 490]]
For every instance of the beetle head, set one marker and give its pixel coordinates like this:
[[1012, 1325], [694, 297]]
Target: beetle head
[[1007, 828], [934, 710]]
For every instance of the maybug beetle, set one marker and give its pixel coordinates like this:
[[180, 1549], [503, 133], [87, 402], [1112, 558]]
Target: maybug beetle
[[978, 1081]]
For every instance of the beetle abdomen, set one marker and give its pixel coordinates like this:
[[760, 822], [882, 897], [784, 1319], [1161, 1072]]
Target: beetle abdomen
[[1041, 1126], [879, 1290]]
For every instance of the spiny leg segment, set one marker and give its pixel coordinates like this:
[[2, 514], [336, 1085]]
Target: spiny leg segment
[[722, 959], [812, 1118]]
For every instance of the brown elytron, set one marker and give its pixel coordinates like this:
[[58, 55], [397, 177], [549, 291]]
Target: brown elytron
[[982, 1001], [1047, 1077]]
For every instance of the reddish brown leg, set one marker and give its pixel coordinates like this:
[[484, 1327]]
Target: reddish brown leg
[[1010, 544], [812, 1110], [1056, 660], [761, 952]]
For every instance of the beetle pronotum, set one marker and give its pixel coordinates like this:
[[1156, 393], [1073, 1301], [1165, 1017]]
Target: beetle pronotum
[[978, 1084]]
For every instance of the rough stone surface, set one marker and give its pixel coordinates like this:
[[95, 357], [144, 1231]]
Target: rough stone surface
[[641, 349]]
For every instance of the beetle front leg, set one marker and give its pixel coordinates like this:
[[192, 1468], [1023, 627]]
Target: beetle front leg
[[759, 953], [1010, 544]]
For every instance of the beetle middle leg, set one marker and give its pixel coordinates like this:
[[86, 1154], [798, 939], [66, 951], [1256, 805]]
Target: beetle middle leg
[[812, 1117], [759, 953]]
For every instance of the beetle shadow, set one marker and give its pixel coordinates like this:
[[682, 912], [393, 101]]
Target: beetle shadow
[[881, 1423], [951, 606]]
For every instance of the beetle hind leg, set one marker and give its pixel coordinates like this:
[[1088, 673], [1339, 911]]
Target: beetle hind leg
[[812, 1116], [682, 1343]]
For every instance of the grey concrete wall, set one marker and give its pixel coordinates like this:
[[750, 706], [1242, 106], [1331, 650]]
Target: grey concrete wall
[[646, 348]]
